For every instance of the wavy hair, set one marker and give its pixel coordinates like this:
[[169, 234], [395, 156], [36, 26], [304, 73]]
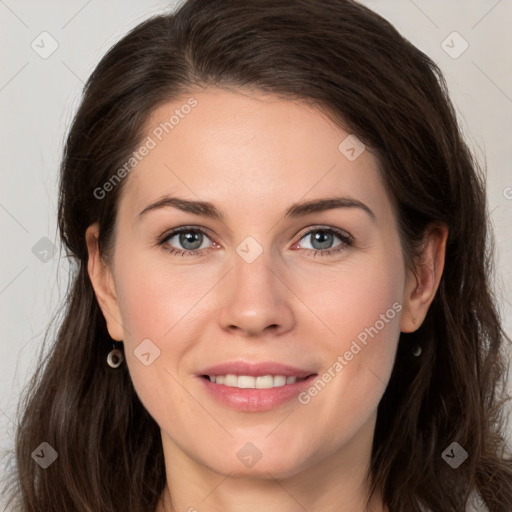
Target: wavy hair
[[339, 56]]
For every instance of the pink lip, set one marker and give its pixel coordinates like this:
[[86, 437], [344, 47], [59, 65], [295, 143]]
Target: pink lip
[[255, 400], [255, 369]]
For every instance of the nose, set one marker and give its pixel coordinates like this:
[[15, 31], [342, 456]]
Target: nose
[[257, 299]]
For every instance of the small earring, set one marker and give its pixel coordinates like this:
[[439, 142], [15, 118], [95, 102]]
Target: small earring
[[115, 358], [416, 351]]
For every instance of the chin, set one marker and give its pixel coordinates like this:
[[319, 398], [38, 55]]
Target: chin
[[250, 462]]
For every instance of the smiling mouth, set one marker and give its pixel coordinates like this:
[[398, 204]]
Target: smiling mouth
[[252, 382]]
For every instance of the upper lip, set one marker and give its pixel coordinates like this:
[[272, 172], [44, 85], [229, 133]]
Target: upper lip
[[256, 369]]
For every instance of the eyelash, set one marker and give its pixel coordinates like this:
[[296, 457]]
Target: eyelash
[[347, 241]]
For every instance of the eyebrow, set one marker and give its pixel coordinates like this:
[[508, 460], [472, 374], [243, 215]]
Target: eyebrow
[[207, 209]]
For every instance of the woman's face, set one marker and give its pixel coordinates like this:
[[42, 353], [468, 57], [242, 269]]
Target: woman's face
[[261, 286]]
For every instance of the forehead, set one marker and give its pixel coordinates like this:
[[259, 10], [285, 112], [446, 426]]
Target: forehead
[[244, 150]]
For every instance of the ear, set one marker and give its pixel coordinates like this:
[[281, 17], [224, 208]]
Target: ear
[[102, 281], [422, 283]]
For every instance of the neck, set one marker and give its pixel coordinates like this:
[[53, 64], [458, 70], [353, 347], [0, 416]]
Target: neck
[[167, 504], [287, 503]]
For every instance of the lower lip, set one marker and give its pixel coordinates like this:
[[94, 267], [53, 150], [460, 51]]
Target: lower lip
[[255, 400]]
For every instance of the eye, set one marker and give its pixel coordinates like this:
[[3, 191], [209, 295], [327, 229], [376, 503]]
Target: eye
[[191, 239], [194, 241], [322, 239]]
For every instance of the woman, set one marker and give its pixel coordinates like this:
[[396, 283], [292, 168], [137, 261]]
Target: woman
[[209, 360]]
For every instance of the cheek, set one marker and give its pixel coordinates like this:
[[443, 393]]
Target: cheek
[[154, 313], [360, 300], [157, 300], [159, 311], [362, 310]]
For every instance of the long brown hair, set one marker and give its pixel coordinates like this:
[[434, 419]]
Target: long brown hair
[[340, 56]]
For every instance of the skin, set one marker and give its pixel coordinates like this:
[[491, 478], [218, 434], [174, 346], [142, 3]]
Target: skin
[[252, 156]]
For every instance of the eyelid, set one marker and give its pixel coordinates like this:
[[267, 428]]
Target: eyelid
[[176, 231], [323, 227]]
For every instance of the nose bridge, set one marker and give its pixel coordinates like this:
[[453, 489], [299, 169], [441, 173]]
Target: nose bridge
[[254, 268], [257, 298]]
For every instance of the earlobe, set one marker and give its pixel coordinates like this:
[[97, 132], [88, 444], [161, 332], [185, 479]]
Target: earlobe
[[422, 284], [103, 283]]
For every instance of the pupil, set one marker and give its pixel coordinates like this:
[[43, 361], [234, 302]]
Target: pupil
[[188, 237], [323, 235]]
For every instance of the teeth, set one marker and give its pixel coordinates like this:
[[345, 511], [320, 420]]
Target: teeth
[[248, 381], [231, 381], [279, 380], [265, 382]]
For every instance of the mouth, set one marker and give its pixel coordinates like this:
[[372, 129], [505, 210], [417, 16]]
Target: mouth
[[254, 387], [252, 382]]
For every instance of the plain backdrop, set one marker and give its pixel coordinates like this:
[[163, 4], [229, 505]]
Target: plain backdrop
[[39, 94]]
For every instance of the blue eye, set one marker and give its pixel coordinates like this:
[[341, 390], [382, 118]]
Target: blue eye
[[323, 238], [190, 238], [193, 239]]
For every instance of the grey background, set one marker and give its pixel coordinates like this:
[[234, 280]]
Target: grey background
[[38, 97]]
